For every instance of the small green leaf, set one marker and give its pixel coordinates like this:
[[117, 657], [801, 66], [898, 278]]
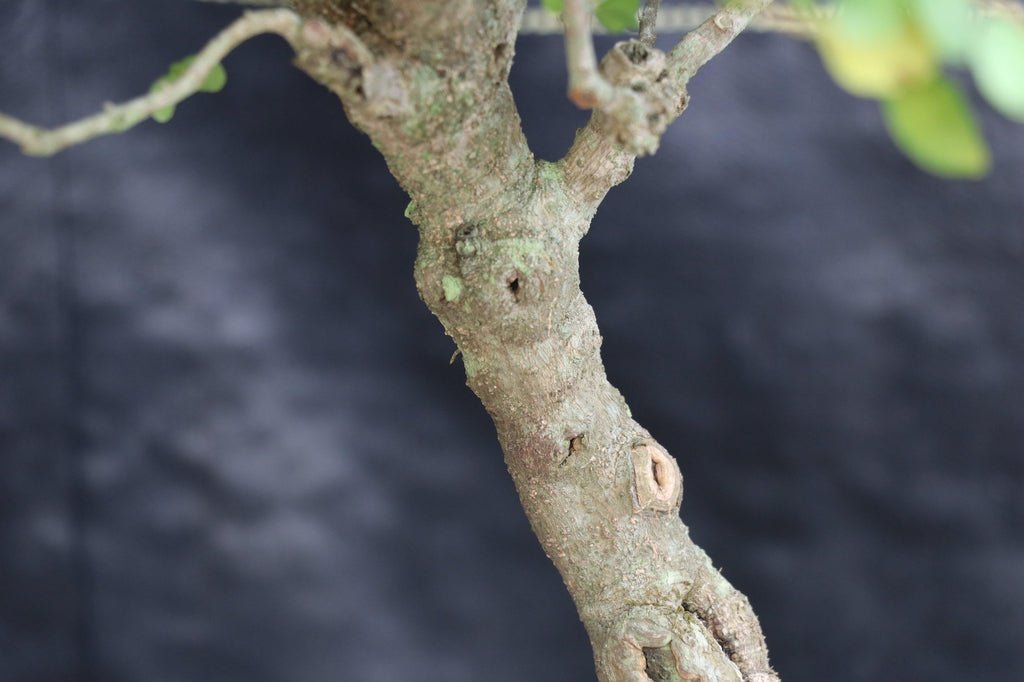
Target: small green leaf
[[215, 80], [947, 23], [933, 125], [555, 6], [164, 115], [998, 65], [618, 15]]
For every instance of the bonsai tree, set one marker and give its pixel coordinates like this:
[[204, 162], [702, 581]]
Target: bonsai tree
[[498, 256]]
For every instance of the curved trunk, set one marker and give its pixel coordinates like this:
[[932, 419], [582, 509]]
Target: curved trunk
[[601, 494], [498, 264]]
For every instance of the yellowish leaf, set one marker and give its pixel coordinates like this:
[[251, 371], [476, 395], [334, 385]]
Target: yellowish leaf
[[877, 68]]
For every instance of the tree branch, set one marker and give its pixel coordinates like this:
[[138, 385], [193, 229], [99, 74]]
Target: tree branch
[[674, 19], [649, 22], [637, 92], [116, 118], [586, 86], [798, 22], [704, 42]]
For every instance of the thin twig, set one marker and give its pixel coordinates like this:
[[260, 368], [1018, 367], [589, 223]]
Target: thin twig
[[116, 118], [704, 42], [586, 86], [649, 22], [781, 18], [676, 19]]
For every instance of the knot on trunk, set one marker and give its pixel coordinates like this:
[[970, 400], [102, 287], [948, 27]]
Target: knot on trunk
[[649, 644], [645, 100], [338, 60]]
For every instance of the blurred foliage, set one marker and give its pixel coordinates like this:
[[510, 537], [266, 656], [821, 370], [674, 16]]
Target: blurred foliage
[[618, 15], [899, 51], [932, 123]]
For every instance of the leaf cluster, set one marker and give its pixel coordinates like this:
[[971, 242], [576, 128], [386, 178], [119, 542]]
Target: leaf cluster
[[898, 52]]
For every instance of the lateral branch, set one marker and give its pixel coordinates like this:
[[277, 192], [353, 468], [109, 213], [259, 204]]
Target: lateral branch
[[301, 33], [635, 92]]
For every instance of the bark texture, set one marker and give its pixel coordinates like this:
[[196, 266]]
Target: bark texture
[[498, 265]]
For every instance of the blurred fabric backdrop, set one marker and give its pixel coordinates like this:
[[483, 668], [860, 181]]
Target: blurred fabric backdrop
[[232, 448]]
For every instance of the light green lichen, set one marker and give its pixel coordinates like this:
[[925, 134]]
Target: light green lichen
[[549, 172], [470, 365], [521, 250], [452, 288], [409, 209]]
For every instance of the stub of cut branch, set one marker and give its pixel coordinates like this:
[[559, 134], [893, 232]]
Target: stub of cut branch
[[303, 35], [656, 477]]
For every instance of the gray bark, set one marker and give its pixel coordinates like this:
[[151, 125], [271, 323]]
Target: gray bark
[[498, 266]]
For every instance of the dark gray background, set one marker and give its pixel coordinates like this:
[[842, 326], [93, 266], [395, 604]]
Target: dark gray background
[[232, 448]]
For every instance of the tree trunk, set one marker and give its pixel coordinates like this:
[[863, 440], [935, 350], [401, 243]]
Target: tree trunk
[[498, 266], [601, 494]]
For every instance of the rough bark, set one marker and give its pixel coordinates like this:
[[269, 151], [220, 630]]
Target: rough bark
[[498, 266]]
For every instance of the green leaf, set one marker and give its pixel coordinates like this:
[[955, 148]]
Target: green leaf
[[618, 15], [164, 115], [878, 68], [555, 6], [948, 24], [997, 61], [934, 126], [215, 80]]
